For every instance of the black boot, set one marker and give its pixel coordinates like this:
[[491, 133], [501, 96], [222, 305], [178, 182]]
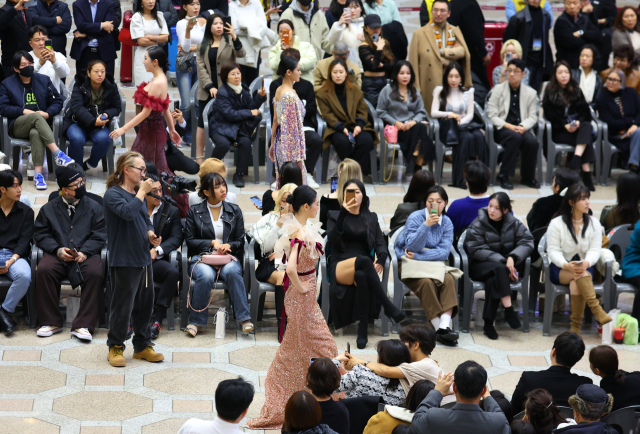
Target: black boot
[[361, 340], [362, 303], [576, 162], [7, 324], [374, 286], [279, 293], [512, 317], [490, 330], [587, 181]]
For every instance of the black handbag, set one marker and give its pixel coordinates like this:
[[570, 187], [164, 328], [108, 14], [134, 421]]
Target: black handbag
[[250, 127], [75, 275], [449, 133]]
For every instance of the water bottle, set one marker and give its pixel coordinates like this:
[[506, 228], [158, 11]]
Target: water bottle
[[221, 319]]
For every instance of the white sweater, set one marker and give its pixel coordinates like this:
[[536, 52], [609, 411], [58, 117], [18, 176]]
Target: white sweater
[[55, 71], [250, 24], [561, 247]]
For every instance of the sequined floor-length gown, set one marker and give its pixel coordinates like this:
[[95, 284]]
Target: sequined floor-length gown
[[290, 143], [307, 334]]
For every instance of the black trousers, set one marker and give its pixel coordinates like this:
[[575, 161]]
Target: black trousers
[[514, 142], [359, 152], [371, 87], [579, 137], [180, 162], [249, 73], [131, 300], [635, 310], [93, 53], [536, 73], [313, 143], [222, 146], [495, 276], [167, 275]]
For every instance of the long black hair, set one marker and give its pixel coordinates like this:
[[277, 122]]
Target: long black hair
[[446, 89], [303, 195], [411, 89], [575, 193], [421, 181], [628, 192], [393, 352], [364, 209], [157, 53], [290, 173], [336, 8], [208, 34], [154, 12], [555, 94]]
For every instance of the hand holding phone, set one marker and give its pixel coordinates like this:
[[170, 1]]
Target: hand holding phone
[[104, 117], [334, 183], [256, 201], [348, 348], [286, 37], [176, 105], [73, 253]]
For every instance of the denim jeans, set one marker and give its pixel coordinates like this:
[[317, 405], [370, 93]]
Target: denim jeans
[[20, 275], [203, 277], [634, 149], [77, 139], [186, 79]]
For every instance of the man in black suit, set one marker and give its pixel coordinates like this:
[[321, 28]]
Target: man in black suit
[[558, 380], [15, 23], [171, 238], [93, 39]]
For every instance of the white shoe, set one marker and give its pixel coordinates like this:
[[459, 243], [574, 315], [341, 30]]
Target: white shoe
[[2, 155], [82, 334], [312, 182], [274, 185], [46, 331]]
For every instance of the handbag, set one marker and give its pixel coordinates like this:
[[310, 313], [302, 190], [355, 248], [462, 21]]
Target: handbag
[[449, 133], [185, 62], [75, 275], [215, 260], [391, 133], [125, 37], [249, 128]]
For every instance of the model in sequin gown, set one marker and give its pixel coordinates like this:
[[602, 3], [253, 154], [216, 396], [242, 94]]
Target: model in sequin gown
[[307, 334], [290, 144]]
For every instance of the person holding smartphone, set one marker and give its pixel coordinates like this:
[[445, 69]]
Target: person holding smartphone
[[47, 61], [15, 23], [511, 49], [376, 57], [288, 39]]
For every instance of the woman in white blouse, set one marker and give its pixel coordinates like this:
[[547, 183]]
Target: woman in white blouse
[[190, 31], [451, 100], [349, 28], [574, 244], [148, 28]]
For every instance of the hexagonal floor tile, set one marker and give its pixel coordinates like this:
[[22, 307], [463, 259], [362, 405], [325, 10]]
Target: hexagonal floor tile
[[450, 358], [257, 358], [26, 425], [94, 356], [102, 405], [187, 381], [165, 426], [515, 340], [30, 379], [505, 383], [24, 336], [206, 337], [256, 405]]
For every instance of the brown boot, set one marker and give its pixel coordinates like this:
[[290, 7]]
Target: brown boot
[[577, 312], [585, 286], [115, 357], [149, 355]]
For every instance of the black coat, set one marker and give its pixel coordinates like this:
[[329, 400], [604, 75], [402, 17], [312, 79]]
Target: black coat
[[304, 89], [575, 74], [79, 109], [609, 112], [483, 243], [172, 235], [605, 9], [519, 28], [397, 37], [467, 15], [230, 109], [46, 16], [94, 197], [543, 211], [624, 394], [199, 232], [86, 232], [85, 24], [557, 380], [425, 14], [556, 112], [568, 47], [14, 32], [402, 213]]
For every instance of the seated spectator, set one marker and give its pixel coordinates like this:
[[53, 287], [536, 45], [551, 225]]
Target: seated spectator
[[290, 173], [626, 30], [572, 31], [586, 76], [631, 268], [521, 426], [215, 224], [302, 415], [94, 197], [504, 404], [544, 209], [413, 200], [498, 245], [55, 17], [348, 127], [347, 169], [623, 386], [568, 349], [400, 104], [30, 101], [164, 273], [234, 105], [462, 212], [232, 399], [541, 411], [307, 53], [511, 49], [48, 62], [23, 197], [514, 126], [340, 51], [348, 29], [94, 96], [453, 100], [385, 421], [211, 165], [466, 415], [16, 232], [626, 60], [627, 209], [568, 112], [313, 141], [362, 381], [614, 100], [81, 244], [376, 57], [428, 236], [574, 243], [323, 378], [589, 404], [176, 159]]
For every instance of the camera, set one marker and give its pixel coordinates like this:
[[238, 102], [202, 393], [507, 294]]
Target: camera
[[177, 184]]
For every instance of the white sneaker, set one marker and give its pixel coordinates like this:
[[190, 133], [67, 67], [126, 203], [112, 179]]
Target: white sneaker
[[312, 182], [274, 185], [82, 334], [46, 331]]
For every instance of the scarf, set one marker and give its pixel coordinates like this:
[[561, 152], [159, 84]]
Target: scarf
[[237, 88], [307, 15], [588, 84], [450, 38], [71, 205]]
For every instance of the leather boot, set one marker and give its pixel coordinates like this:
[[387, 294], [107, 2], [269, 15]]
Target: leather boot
[[585, 286], [577, 312]]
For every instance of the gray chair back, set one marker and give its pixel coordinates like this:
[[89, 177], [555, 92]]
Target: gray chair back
[[627, 419]]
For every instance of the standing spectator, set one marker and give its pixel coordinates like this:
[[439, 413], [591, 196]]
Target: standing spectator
[[463, 211], [514, 6], [171, 17], [148, 29], [542, 412], [545, 208], [625, 59], [307, 59], [623, 386], [586, 76], [626, 29], [55, 17], [606, 12], [310, 23], [376, 57], [387, 10], [631, 269], [70, 230], [513, 110], [511, 49], [413, 200], [340, 51], [323, 378], [531, 27], [572, 31], [16, 233], [47, 61], [335, 11], [433, 47], [15, 23], [93, 40], [219, 6], [348, 29], [589, 404], [117, 20]]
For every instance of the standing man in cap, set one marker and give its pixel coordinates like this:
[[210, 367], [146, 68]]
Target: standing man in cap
[[71, 231], [589, 404], [321, 71]]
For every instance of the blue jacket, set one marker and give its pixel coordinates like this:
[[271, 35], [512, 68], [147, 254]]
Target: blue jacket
[[230, 109], [631, 260], [416, 236], [93, 29], [46, 15], [12, 97]]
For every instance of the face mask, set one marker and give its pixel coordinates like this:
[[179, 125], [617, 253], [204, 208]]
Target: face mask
[[80, 192], [27, 71], [304, 3]]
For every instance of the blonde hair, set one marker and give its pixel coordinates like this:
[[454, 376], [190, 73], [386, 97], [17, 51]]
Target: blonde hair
[[287, 188], [348, 169], [516, 46], [126, 160]]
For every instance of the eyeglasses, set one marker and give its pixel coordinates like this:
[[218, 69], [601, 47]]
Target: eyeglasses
[[514, 71], [157, 191], [79, 184], [613, 80], [141, 169]]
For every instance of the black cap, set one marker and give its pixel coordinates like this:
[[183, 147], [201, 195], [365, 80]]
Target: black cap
[[372, 21], [66, 175], [592, 393]]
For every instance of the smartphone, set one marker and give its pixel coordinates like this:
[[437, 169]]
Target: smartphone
[[257, 201], [434, 211], [286, 36], [176, 105], [73, 252], [48, 44], [348, 348], [578, 262], [351, 194], [351, 138], [572, 123], [30, 4], [334, 183], [347, 11], [194, 20], [262, 77], [313, 359], [517, 275], [104, 117], [508, 57], [375, 37], [226, 21]]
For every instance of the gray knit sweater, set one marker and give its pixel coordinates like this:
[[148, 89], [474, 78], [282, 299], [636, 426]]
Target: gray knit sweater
[[391, 111]]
